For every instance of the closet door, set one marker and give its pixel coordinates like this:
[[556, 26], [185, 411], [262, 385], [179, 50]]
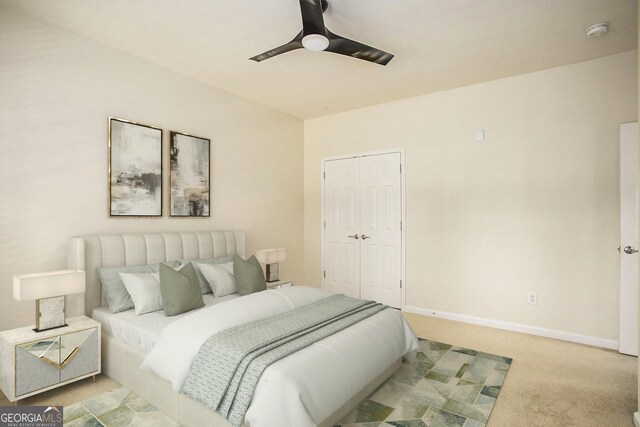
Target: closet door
[[629, 238], [362, 231], [380, 232], [342, 222]]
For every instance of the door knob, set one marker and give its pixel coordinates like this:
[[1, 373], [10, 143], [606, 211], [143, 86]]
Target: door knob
[[365, 237], [627, 249], [355, 236]]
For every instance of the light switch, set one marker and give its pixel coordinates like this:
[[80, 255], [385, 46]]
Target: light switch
[[480, 135]]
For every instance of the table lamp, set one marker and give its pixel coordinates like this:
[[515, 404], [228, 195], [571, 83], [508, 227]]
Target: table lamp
[[271, 258], [48, 290]]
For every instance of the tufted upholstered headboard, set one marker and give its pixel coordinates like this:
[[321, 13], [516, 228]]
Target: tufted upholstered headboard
[[113, 250]]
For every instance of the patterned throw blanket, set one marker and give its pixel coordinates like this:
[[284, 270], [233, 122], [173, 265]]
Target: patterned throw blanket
[[229, 364]]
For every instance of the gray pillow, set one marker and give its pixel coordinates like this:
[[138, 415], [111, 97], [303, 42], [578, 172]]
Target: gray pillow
[[113, 287], [202, 281], [223, 259], [180, 289], [156, 267], [249, 275]]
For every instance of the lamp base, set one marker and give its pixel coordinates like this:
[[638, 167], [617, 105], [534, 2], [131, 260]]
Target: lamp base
[[50, 313], [48, 329], [272, 273]]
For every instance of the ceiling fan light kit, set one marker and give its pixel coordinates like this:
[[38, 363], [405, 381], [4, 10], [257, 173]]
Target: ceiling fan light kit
[[315, 42], [315, 36]]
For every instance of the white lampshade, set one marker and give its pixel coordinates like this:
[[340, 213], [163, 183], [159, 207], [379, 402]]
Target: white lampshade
[[271, 256], [29, 287]]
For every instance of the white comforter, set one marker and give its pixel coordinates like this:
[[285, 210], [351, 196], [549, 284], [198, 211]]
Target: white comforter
[[305, 387]]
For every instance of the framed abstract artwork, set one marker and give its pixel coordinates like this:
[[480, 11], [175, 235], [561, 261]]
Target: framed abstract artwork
[[189, 175], [135, 169]]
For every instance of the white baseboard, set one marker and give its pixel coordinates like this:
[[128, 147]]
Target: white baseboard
[[636, 419], [527, 329]]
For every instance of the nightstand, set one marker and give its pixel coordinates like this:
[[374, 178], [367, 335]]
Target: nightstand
[[279, 284], [32, 362]]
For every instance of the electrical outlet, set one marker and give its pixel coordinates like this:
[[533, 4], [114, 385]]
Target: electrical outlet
[[532, 298]]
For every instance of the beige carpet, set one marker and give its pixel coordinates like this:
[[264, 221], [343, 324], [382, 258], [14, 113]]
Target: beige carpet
[[550, 382]]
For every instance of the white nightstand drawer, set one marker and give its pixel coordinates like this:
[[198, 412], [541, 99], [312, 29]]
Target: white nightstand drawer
[[85, 360], [33, 373]]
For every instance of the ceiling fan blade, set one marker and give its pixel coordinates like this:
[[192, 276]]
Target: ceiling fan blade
[[287, 47], [344, 46], [312, 20]]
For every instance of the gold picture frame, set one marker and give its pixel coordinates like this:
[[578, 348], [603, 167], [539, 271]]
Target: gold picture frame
[[189, 176], [135, 169]]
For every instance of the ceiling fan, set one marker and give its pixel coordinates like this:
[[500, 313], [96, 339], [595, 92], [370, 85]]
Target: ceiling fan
[[315, 36]]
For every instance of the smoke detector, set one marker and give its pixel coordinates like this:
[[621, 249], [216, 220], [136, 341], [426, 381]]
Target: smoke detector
[[597, 30]]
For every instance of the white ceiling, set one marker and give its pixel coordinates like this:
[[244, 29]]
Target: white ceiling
[[438, 44]]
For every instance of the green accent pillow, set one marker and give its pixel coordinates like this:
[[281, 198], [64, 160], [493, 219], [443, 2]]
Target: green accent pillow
[[249, 275], [180, 289]]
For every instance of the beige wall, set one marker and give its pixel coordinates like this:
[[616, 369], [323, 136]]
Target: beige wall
[[57, 90], [533, 207]]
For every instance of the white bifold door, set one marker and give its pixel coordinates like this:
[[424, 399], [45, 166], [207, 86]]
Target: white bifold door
[[362, 227]]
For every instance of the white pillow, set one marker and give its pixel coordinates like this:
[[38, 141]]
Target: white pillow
[[144, 289], [229, 267], [220, 278]]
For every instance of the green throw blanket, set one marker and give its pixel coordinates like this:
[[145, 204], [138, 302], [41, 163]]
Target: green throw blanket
[[229, 364]]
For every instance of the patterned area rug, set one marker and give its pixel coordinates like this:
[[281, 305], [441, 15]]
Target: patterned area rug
[[117, 408], [445, 386]]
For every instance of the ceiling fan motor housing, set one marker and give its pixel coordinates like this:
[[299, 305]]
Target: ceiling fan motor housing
[[315, 36]]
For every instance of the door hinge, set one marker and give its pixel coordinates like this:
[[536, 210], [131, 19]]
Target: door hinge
[[400, 283], [324, 274], [400, 168], [325, 225], [324, 175], [400, 225]]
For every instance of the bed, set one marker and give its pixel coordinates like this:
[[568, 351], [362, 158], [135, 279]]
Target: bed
[[317, 385]]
